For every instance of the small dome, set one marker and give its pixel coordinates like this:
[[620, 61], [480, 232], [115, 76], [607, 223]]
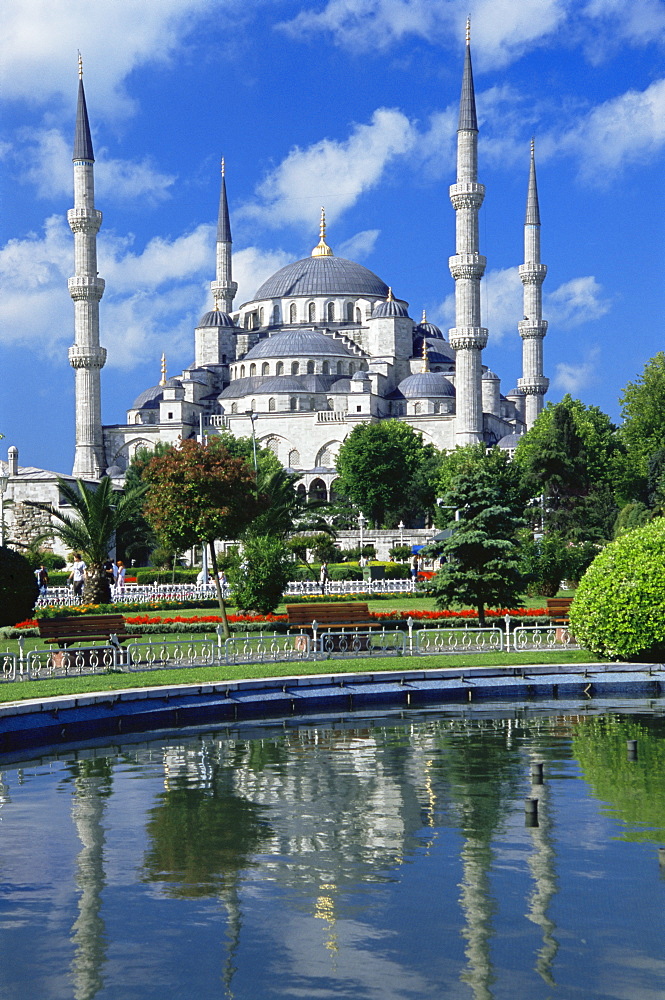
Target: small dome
[[216, 318], [439, 351], [490, 376], [427, 329], [510, 441], [172, 383], [149, 398], [426, 384], [515, 392], [322, 275], [297, 343], [360, 376], [391, 307]]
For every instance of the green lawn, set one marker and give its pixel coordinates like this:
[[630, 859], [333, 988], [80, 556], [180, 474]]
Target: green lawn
[[19, 690]]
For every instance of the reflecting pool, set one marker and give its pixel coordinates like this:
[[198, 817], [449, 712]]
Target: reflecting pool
[[390, 858]]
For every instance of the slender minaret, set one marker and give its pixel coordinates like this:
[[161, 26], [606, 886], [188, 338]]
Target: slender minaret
[[533, 327], [86, 289], [467, 267], [224, 288]]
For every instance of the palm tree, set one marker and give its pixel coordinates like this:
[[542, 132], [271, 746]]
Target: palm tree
[[98, 511]]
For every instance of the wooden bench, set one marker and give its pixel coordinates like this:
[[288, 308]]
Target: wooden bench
[[557, 609], [333, 618], [86, 628]]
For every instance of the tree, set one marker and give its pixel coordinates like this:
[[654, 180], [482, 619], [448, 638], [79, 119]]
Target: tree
[[643, 411], [199, 494], [572, 456], [482, 552], [619, 606], [18, 587], [377, 464], [258, 578], [99, 512], [136, 539]]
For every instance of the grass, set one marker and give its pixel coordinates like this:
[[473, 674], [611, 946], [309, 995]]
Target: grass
[[21, 690]]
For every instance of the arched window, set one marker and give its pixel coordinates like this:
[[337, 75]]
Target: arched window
[[271, 405], [331, 312], [349, 311], [339, 368], [137, 418], [275, 314], [325, 459], [252, 369], [310, 367], [317, 490], [312, 405], [242, 371], [416, 408], [261, 316], [358, 316], [223, 359], [311, 312], [292, 403], [301, 490], [292, 313], [325, 368], [279, 370], [265, 368], [295, 368], [294, 459], [234, 407]]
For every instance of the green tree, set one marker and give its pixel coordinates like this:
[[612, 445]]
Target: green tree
[[99, 512], [136, 540], [18, 587], [643, 411], [199, 494], [258, 578], [484, 507], [377, 464]]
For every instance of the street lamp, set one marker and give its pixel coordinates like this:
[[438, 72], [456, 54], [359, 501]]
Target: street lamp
[[252, 416], [4, 480], [361, 524], [401, 532]]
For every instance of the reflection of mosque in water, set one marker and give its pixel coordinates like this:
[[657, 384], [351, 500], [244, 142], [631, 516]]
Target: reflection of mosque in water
[[319, 813]]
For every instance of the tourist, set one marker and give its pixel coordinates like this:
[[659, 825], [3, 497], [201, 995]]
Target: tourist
[[77, 575], [324, 577], [42, 579], [120, 572]]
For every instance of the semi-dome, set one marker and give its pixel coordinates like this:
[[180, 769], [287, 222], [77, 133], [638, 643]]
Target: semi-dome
[[149, 398], [324, 275], [216, 318], [297, 343], [426, 384]]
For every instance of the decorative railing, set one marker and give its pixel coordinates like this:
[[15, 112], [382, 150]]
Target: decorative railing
[[359, 643], [43, 664], [8, 666], [533, 637], [267, 648], [458, 640]]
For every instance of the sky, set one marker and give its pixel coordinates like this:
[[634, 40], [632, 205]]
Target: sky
[[347, 104]]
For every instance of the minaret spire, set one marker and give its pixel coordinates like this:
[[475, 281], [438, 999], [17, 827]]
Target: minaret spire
[[86, 288], [533, 327], [467, 266], [224, 287]]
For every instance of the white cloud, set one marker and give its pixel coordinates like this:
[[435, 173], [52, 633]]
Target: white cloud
[[628, 129], [580, 300], [331, 173], [114, 36], [573, 376], [360, 245], [48, 156], [252, 266], [178, 260]]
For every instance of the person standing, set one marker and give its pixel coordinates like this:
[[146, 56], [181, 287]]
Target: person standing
[[120, 573], [42, 579], [77, 575], [324, 577]]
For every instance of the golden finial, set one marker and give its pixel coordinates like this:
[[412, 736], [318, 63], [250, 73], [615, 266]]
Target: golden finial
[[223, 167], [322, 249], [425, 367], [468, 30], [80, 65], [163, 378], [390, 295], [424, 319]]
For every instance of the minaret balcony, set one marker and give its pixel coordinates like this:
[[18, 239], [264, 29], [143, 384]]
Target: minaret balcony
[[467, 194], [530, 330], [532, 274], [87, 357], [468, 338], [86, 286], [535, 385], [467, 265], [84, 220]]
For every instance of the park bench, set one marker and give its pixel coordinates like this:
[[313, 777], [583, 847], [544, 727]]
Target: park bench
[[557, 609], [330, 618], [87, 628]]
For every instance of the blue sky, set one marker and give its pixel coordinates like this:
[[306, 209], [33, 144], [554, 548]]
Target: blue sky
[[350, 104]]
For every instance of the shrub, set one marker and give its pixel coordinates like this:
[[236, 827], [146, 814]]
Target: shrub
[[259, 580], [619, 606], [400, 553], [18, 587]]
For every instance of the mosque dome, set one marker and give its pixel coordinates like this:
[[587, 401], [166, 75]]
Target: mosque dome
[[391, 307], [510, 441], [439, 351], [427, 329], [216, 318], [297, 343], [489, 376], [149, 398], [426, 384], [322, 275]]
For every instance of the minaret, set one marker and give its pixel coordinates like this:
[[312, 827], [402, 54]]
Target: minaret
[[224, 288], [533, 327], [467, 267], [86, 289]]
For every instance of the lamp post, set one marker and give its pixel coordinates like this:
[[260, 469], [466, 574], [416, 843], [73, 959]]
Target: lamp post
[[401, 532], [361, 525], [4, 480], [252, 417]]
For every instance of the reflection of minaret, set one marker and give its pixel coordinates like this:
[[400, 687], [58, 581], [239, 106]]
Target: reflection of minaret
[[541, 863], [89, 937], [478, 908], [86, 289]]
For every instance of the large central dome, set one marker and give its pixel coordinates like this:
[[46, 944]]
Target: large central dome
[[322, 276]]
